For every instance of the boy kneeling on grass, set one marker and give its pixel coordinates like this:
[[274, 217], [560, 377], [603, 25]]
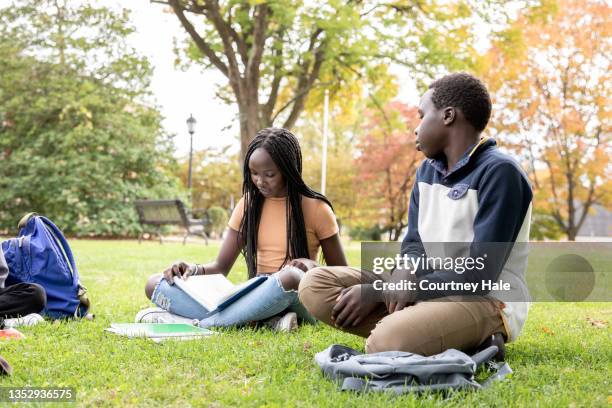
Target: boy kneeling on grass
[[465, 191]]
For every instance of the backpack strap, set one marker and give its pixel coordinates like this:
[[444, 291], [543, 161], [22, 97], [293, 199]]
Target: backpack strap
[[499, 370], [84, 303], [61, 242], [18, 260], [24, 220], [485, 355]]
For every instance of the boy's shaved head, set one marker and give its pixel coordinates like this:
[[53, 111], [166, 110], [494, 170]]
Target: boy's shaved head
[[465, 92]]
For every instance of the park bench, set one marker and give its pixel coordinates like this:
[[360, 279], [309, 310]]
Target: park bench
[[169, 212]]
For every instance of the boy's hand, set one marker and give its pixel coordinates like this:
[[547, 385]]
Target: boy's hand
[[304, 264], [396, 300], [180, 269], [351, 308]]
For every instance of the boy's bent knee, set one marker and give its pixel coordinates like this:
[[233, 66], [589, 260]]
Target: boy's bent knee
[[313, 282], [400, 331], [151, 283], [380, 341], [320, 287], [316, 279], [308, 297]]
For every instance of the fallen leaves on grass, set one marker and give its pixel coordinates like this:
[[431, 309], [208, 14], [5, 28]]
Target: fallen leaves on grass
[[597, 323], [548, 330], [307, 347]]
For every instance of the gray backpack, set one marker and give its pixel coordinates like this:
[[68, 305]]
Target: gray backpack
[[403, 372]]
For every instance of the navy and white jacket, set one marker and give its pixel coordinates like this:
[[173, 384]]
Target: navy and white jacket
[[486, 198]]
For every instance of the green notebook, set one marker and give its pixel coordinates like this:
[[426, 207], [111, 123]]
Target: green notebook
[[159, 330]]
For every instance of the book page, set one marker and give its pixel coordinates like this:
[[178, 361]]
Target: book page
[[208, 290], [236, 289]]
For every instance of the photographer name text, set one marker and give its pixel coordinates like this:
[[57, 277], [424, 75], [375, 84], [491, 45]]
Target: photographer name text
[[426, 285]]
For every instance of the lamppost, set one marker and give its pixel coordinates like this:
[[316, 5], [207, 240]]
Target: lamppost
[[191, 122]]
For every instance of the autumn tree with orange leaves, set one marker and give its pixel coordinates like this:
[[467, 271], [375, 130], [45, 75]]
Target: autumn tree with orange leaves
[[550, 78], [386, 165]]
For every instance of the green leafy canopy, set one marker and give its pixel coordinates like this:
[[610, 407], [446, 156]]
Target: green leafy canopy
[[79, 138]]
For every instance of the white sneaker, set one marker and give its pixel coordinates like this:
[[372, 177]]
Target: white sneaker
[[159, 315], [27, 320], [286, 323]]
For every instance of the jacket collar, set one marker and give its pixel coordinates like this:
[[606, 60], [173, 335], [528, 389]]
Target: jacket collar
[[470, 154]]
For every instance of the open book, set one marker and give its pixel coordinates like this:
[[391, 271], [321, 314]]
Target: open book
[[216, 292]]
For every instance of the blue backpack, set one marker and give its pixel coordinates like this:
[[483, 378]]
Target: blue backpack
[[40, 254]]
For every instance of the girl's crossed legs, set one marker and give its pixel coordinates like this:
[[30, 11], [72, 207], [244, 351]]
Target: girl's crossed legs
[[276, 295]]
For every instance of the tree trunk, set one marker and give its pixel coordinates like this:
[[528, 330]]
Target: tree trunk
[[242, 60], [61, 38], [249, 121], [394, 234], [249, 125]]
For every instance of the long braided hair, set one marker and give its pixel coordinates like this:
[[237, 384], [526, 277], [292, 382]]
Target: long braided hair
[[284, 149]]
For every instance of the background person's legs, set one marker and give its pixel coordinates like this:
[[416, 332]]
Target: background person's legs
[[320, 288], [22, 299], [433, 326]]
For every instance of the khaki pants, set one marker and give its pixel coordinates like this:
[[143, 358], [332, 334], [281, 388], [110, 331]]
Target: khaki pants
[[426, 328]]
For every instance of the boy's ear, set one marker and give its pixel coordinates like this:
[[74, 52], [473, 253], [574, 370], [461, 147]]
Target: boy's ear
[[449, 114]]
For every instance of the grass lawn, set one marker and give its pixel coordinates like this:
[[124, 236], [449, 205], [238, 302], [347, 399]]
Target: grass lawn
[[560, 360]]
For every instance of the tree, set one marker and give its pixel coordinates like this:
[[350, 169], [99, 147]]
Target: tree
[[217, 178], [347, 128], [81, 38], [77, 141], [387, 165], [339, 171], [550, 75], [274, 53]]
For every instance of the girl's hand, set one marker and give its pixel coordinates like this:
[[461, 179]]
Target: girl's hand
[[304, 264], [180, 269]]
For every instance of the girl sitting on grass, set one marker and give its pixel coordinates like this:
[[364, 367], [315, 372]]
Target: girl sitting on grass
[[278, 225]]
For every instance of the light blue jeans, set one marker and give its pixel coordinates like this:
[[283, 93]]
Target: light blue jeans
[[266, 300]]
